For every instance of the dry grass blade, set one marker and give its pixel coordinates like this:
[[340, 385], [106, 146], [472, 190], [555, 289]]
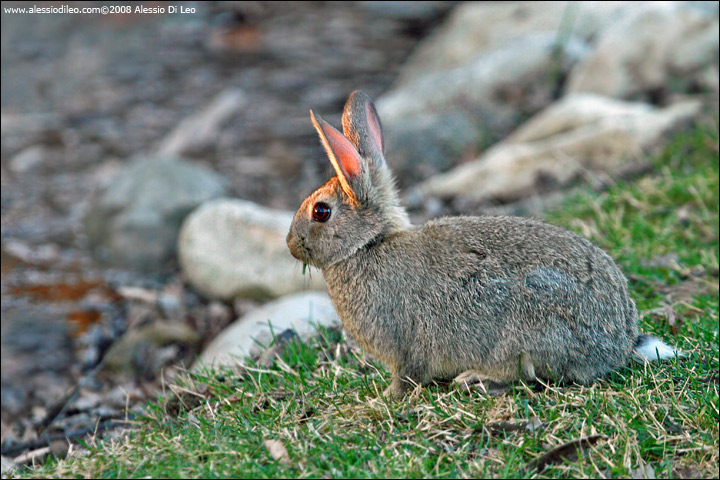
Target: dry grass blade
[[670, 314], [566, 451], [32, 457], [711, 379], [277, 451]]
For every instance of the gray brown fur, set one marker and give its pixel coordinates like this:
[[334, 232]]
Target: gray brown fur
[[507, 297]]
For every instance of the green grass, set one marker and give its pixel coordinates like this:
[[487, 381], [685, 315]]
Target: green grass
[[322, 401]]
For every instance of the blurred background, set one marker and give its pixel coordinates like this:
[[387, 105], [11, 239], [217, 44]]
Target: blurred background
[[152, 160]]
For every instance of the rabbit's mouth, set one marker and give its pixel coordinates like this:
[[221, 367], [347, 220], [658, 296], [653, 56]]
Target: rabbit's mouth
[[299, 250]]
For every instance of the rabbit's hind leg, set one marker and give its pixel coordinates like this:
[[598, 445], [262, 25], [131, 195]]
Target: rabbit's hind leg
[[477, 380], [497, 379]]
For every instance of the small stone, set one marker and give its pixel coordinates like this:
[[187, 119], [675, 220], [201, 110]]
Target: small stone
[[268, 357], [29, 159], [253, 333], [139, 350]]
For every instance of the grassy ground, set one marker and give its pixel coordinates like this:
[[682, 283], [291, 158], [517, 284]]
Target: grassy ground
[[319, 412]]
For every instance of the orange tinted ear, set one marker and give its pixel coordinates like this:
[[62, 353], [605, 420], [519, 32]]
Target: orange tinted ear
[[344, 157]]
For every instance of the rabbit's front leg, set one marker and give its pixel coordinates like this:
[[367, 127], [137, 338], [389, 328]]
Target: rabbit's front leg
[[396, 389], [403, 380]]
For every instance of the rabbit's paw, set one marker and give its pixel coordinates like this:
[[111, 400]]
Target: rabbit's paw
[[473, 380]]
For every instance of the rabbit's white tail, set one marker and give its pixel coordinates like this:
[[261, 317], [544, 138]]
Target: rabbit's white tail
[[648, 349]]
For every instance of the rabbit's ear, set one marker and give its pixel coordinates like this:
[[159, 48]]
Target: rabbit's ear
[[361, 125], [344, 157]]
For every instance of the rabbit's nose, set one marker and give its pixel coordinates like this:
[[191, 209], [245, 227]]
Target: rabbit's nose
[[289, 239], [294, 243]]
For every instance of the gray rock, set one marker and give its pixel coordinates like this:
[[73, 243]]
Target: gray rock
[[251, 334], [439, 117], [135, 220], [669, 48], [580, 135], [505, 78], [491, 66], [706, 7], [422, 146], [476, 28], [229, 248]]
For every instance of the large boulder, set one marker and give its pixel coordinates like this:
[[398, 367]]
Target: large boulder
[[134, 222], [446, 115], [654, 51], [233, 248], [490, 66], [251, 334], [407, 11], [475, 28], [420, 146], [580, 134]]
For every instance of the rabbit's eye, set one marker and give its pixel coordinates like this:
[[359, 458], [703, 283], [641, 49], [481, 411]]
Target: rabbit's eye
[[321, 212]]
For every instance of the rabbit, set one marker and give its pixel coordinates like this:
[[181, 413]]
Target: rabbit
[[505, 297]]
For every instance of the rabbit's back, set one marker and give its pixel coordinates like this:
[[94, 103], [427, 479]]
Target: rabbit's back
[[463, 292]]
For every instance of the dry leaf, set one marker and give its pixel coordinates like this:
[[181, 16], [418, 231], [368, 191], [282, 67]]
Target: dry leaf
[[277, 451], [565, 451], [672, 426], [711, 379], [504, 427]]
